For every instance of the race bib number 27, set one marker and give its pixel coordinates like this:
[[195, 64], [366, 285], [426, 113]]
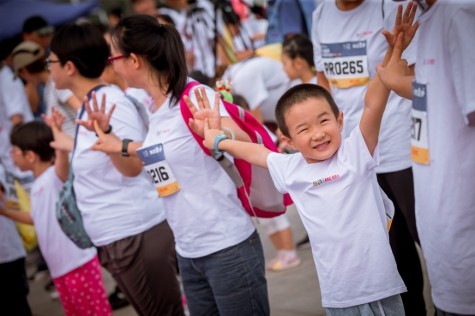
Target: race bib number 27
[[158, 169], [419, 135]]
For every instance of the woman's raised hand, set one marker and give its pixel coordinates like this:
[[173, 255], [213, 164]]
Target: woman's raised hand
[[404, 23], [96, 113], [203, 111]]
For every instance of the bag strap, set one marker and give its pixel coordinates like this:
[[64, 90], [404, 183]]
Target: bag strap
[[81, 113], [225, 163]]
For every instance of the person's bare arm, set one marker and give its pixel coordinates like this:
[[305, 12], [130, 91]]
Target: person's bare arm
[[17, 216]]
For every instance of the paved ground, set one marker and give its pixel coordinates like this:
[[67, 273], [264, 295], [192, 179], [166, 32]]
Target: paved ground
[[292, 293]]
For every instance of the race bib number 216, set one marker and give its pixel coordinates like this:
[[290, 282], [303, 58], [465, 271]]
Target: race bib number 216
[[158, 169]]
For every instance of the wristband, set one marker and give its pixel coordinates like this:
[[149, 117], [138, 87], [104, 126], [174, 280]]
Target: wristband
[[217, 153], [108, 131], [125, 145]]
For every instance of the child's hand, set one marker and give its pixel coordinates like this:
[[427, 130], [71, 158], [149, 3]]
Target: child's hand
[[405, 24], [107, 143], [55, 120], [203, 112], [96, 114], [209, 135]]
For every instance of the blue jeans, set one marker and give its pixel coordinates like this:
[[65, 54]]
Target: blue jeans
[[228, 282]]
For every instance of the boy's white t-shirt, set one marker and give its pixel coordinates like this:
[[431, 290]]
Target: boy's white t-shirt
[[445, 199], [113, 206], [61, 254], [261, 81], [341, 206], [357, 35], [205, 214]]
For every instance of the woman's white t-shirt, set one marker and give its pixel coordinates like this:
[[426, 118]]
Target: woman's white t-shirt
[[61, 254], [205, 214], [343, 210], [113, 206], [348, 52]]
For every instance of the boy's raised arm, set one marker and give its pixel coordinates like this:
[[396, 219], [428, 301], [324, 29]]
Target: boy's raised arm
[[376, 98]]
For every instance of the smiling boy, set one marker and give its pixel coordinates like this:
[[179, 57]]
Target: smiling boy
[[333, 184]]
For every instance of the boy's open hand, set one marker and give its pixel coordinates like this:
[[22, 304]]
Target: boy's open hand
[[203, 112], [209, 135], [96, 113], [404, 23], [107, 143]]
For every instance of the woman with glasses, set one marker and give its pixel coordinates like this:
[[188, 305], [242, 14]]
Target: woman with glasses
[[219, 251]]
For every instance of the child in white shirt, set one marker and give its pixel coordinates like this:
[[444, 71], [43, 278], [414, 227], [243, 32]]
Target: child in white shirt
[[76, 272], [334, 186]]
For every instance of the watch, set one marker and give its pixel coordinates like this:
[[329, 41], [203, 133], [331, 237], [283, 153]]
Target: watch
[[217, 153], [125, 145]]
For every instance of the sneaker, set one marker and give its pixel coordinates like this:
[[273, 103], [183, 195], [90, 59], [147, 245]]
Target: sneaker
[[281, 263], [117, 299]]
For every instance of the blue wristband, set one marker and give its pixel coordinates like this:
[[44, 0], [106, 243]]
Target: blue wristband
[[217, 140]]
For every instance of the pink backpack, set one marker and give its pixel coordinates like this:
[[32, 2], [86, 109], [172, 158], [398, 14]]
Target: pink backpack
[[255, 188]]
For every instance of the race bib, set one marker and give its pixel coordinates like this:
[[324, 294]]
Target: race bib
[[158, 169], [419, 135], [346, 64]]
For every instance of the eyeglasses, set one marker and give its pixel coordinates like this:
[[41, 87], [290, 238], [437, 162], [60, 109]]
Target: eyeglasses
[[51, 61], [112, 59]]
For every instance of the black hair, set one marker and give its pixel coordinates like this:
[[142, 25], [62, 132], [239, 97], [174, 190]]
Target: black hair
[[298, 45], [160, 45], [83, 45], [35, 136], [299, 94], [7, 46], [34, 23], [36, 67]]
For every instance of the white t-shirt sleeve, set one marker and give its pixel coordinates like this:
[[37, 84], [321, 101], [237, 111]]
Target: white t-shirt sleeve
[[462, 58], [17, 102], [63, 94], [355, 153], [276, 163]]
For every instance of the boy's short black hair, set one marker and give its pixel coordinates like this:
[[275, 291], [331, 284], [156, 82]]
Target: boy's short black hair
[[83, 45], [299, 94], [35, 136]]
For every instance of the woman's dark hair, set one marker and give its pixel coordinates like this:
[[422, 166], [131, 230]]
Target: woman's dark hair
[[298, 94], [298, 45], [84, 46], [35, 136], [160, 45]]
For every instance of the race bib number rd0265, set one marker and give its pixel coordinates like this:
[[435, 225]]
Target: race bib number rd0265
[[158, 169], [419, 135], [346, 64]]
